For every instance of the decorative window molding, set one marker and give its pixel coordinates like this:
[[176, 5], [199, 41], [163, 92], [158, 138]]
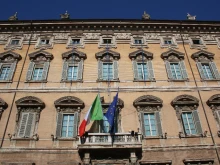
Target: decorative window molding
[[206, 67], [197, 43], [138, 41], [168, 42], [186, 107], [8, 63], [110, 59], [102, 126], [75, 42], [73, 66], [104, 41], [27, 118], [201, 161], [68, 106], [175, 66], [15, 42], [149, 105], [142, 65], [3, 106], [218, 41], [45, 42], [39, 66]]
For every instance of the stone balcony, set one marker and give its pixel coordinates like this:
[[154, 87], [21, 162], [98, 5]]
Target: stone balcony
[[107, 140]]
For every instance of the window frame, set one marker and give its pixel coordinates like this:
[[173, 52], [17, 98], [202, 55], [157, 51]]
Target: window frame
[[109, 45], [70, 45], [19, 46], [50, 45], [140, 37], [172, 39], [202, 44]]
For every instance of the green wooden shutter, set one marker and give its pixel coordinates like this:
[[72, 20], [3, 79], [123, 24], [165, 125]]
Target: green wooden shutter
[[197, 122], [150, 70], [59, 124], [30, 71], [64, 71], [142, 124], [115, 68], [12, 70], [183, 69], [100, 67], [159, 126], [214, 70], [135, 70], [45, 70], [75, 124], [30, 125], [80, 70], [23, 122], [168, 68], [199, 66]]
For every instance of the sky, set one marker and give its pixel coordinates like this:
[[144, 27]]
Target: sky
[[112, 9]]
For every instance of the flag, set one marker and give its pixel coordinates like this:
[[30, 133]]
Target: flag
[[94, 113], [110, 114]]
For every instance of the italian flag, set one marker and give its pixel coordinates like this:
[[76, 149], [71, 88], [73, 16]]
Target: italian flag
[[94, 113]]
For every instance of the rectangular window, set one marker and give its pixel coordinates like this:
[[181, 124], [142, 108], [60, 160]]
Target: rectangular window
[[168, 42], [107, 41], [142, 71], [188, 123], [75, 41], [207, 71], [4, 72], [14, 42], [138, 41], [196, 41], [37, 72], [150, 124], [176, 71], [44, 42], [107, 71], [72, 73], [67, 125]]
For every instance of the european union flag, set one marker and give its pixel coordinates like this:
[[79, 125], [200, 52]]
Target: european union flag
[[110, 114]]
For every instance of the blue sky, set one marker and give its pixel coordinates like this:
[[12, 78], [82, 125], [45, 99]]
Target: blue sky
[[86, 9]]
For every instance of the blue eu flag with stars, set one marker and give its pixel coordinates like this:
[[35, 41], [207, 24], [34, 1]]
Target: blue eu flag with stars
[[110, 114]]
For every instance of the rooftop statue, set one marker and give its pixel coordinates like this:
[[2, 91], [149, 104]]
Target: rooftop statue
[[13, 18], [65, 16], [191, 17], [145, 16]]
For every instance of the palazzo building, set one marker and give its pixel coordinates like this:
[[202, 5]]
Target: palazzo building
[[166, 73]]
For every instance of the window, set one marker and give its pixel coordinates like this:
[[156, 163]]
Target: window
[[206, 66], [107, 65], [149, 108], [168, 42], [68, 109], [39, 66], [175, 66], [15, 42], [72, 66], [187, 114], [75, 41], [45, 42], [8, 63], [138, 41], [107, 41], [142, 65], [196, 42], [29, 109]]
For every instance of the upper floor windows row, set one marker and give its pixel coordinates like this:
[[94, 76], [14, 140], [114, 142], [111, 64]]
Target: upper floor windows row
[[108, 66]]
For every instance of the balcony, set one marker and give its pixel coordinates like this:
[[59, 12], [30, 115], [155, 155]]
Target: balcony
[[107, 140]]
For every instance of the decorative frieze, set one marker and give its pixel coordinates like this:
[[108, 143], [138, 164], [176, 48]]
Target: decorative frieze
[[92, 36], [122, 36]]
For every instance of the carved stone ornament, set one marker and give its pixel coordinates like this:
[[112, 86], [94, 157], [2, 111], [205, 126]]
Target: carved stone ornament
[[4, 37], [78, 55], [65, 16], [13, 17], [145, 16], [3, 106], [61, 36], [105, 105], [70, 102], [214, 102], [203, 56], [141, 55], [152, 36], [208, 37], [29, 101], [41, 56], [104, 53], [148, 103], [172, 55], [92, 36], [122, 36], [9, 57], [190, 17]]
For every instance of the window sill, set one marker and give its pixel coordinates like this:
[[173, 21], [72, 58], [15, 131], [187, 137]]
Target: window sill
[[153, 80], [152, 137], [5, 81], [67, 139], [71, 81], [22, 139], [176, 80], [107, 80], [36, 81], [191, 136], [210, 79]]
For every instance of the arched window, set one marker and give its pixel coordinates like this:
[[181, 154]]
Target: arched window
[[175, 66], [107, 65], [68, 110], [102, 126], [39, 66], [3, 106], [8, 63], [207, 68], [149, 108], [28, 115], [187, 114], [142, 65], [73, 66]]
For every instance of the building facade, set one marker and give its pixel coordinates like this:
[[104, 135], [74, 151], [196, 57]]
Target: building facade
[[166, 73]]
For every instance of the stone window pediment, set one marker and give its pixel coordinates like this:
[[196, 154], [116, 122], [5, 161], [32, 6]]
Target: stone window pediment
[[203, 56], [183, 100], [172, 56], [68, 55], [107, 55], [214, 100], [141, 55], [30, 101], [40, 56], [9, 57]]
